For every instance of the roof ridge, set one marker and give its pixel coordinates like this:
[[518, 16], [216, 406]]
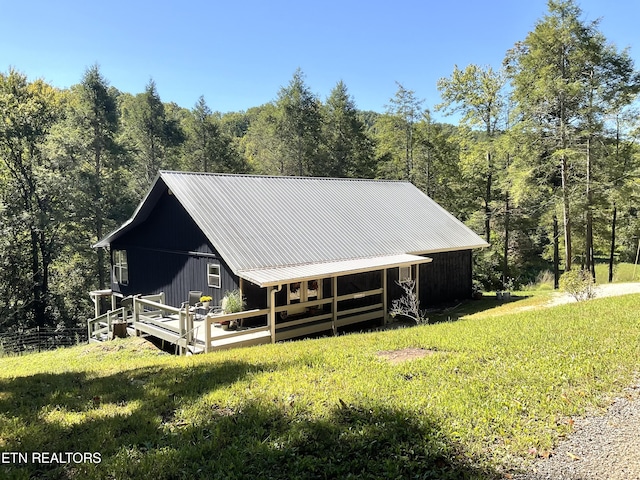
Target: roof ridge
[[281, 177]]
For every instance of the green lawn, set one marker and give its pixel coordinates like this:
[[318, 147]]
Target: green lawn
[[493, 390], [622, 272]]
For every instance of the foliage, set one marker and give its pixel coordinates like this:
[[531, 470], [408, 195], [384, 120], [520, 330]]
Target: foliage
[[492, 388], [233, 302], [563, 145], [579, 284]]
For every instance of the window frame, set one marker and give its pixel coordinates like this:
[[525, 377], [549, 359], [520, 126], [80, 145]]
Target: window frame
[[408, 271], [214, 276], [120, 267]]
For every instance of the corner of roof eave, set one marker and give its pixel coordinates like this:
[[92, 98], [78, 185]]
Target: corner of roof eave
[[106, 241]]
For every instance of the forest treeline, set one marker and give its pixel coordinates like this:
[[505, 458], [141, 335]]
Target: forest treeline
[[543, 163]]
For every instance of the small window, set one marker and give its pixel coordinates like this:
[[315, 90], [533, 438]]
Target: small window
[[404, 274], [120, 267], [213, 275]]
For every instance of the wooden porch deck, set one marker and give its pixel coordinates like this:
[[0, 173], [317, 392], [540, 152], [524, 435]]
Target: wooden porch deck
[[192, 332]]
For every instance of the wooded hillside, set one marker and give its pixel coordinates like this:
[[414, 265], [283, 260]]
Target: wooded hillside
[[544, 162]]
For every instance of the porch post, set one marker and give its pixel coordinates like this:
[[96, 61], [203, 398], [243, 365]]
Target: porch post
[[418, 281], [96, 304], [385, 318], [334, 305], [271, 317]]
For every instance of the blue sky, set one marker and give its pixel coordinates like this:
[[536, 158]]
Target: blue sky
[[239, 54]]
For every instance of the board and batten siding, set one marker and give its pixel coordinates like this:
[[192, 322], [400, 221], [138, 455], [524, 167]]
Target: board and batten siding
[[446, 279], [169, 253]]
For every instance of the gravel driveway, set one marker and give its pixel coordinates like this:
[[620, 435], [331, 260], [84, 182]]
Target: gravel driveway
[[603, 447]]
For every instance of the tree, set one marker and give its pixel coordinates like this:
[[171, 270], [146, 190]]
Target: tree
[[348, 150], [479, 95], [299, 123], [95, 118], [261, 146], [396, 134], [206, 148], [548, 86], [564, 78], [32, 193], [150, 134]]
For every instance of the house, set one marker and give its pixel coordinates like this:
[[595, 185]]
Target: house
[[306, 248]]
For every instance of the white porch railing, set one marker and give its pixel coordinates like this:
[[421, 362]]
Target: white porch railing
[[101, 327], [151, 315]]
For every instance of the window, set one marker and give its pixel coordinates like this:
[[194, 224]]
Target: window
[[213, 275], [404, 274], [304, 291], [120, 267]]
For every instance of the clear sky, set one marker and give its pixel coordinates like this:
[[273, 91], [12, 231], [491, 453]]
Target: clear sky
[[239, 53]]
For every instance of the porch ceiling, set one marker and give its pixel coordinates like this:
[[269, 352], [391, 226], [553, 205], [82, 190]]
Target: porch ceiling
[[266, 277]]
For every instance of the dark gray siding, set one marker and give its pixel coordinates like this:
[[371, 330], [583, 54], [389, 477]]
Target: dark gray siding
[[168, 253], [446, 279]]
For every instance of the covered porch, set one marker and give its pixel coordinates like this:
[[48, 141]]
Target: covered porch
[[300, 300]]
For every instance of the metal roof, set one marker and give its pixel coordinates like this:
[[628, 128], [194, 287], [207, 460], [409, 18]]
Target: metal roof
[[265, 277], [264, 222]]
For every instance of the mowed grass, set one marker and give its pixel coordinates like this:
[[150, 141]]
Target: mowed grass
[[491, 392], [622, 272]]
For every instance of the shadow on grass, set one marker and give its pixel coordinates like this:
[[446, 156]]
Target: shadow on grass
[[139, 423], [470, 307]]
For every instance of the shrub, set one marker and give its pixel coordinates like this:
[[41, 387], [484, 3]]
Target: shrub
[[579, 284], [409, 305], [233, 302]]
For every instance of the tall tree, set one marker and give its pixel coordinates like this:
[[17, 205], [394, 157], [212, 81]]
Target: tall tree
[[299, 126], [547, 75], [560, 74], [95, 116], [206, 147], [611, 84], [150, 133], [479, 95], [396, 136], [32, 191], [349, 151]]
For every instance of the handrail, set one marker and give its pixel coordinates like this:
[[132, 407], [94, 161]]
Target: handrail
[[93, 322], [212, 319]]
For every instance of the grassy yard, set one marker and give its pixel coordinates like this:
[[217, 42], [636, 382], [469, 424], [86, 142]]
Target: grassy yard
[[622, 272], [490, 392]]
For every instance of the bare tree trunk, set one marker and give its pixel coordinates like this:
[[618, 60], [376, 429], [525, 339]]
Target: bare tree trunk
[[505, 259], [566, 214], [589, 257], [613, 242], [556, 254]]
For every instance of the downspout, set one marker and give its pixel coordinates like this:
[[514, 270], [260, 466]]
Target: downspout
[[272, 313]]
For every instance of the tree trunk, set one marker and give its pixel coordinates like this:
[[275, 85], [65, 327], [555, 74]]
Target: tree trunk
[[589, 257], [487, 202], [613, 242], [566, 214], [556, 254], [505, 259]]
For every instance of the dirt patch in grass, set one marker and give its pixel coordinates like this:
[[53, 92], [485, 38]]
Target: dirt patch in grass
[[405, 354]]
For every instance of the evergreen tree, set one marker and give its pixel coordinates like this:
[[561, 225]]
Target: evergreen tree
[[560, 73], [150, 134], [348, 150], [395, 133], [206, 148], [299, 124]]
